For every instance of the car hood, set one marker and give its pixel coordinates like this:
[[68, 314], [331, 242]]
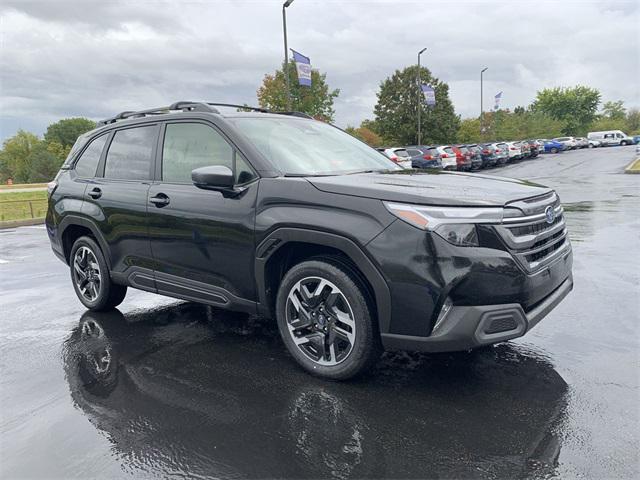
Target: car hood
[[431, 188]]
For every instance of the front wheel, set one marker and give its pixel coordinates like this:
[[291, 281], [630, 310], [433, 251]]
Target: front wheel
[[554, 150], [326, 321], [90, 277]]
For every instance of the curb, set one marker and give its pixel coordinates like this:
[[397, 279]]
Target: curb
[[629, 168], [21, 223]]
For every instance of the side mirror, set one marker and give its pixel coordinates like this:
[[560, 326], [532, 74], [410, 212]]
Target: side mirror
[[217, 177]]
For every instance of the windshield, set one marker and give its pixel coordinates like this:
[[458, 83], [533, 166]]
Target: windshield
[[302, 147]]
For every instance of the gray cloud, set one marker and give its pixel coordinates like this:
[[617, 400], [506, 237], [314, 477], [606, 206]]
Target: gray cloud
[[94, 59]]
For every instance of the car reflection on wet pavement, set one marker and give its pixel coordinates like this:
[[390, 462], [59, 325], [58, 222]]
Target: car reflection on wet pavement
[[163, 388], [142, 378]]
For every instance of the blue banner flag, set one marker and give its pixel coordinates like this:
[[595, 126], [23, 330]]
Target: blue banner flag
[[303, 67], [497, 98], [429, 94]]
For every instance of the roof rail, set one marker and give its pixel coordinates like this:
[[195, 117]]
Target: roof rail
[[188, 106], [295, 114]]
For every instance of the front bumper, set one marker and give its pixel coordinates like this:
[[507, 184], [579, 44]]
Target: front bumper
[[468, 327]]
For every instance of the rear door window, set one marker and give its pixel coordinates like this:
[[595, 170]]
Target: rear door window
[[130, 155], [88, 162]]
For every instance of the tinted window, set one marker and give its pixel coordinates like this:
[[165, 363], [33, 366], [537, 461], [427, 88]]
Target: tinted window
[[413, 152], [88, 161], [188, 146], [244, 173], [433, 152], [401, 153], [449, 150], [130, 154]]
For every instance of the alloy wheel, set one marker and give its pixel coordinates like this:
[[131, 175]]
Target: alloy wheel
[[320, 321], [86, 273]]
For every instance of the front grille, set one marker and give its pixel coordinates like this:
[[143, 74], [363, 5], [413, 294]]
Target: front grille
[[532, 241], [534, 227]]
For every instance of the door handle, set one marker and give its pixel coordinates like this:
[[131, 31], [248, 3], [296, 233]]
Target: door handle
[[160, 200], [95, 193]]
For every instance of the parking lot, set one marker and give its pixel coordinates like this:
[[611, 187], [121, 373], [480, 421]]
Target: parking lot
[[162, 388]]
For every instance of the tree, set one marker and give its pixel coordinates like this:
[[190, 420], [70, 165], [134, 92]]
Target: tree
[[469, 131], [316, 100], [66, 131], [614, 110], [366, 135], [633, 121], [396, 113], [575, 106], [44, 164], [15, 156]]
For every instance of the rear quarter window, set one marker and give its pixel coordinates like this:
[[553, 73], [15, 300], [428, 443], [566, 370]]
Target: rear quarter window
[[87, 164]]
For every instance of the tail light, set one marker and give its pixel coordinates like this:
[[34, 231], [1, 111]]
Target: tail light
[[444, 155], [486, 152], [394, 158], [51, 187], [428, 157]]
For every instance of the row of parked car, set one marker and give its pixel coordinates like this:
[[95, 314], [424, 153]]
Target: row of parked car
[[469, 157], [494, 154]]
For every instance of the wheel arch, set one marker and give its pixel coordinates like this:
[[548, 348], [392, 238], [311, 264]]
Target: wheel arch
[[285, 247], [72, 227]]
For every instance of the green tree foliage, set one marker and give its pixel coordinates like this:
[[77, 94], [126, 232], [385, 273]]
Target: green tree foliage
[[316, 100], [66, 131], [469, 131], [633, 121], [15, 157], [366, 135], [43, 164], [614, 110], [396, 112], [505, 125], [575, 106], [26, 158]]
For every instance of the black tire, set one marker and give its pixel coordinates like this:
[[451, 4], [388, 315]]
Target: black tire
[[366, 347], [623, 143], [108, 295], [554, 150]]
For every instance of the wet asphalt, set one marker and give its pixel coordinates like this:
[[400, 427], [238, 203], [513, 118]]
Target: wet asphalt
[[161, 389]]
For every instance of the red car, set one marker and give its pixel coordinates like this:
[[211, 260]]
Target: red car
[[463, 158]]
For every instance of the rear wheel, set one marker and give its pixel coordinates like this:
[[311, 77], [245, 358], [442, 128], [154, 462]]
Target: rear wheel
[[325, 320], [90, 277], [554, 150], [623, 143]]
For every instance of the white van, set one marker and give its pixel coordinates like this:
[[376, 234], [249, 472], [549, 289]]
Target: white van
[[611, 137]]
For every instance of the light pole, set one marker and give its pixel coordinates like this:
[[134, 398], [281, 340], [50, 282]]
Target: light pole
[[419, 96], [481, 102], [286, 51]]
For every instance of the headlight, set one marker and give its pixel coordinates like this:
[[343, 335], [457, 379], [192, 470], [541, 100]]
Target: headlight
[[462, 234], [455, 224]]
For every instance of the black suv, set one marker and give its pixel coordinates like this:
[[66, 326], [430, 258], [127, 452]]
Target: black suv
[[290, 218]]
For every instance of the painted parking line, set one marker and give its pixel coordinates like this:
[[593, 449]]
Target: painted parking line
[[3, 261]]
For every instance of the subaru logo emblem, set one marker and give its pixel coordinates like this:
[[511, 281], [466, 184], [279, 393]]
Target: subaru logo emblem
[[550, 214]]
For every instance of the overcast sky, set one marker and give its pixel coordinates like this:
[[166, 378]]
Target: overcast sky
[[94, 59]]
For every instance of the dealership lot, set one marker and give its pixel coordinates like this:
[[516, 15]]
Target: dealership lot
[[170, 388]]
